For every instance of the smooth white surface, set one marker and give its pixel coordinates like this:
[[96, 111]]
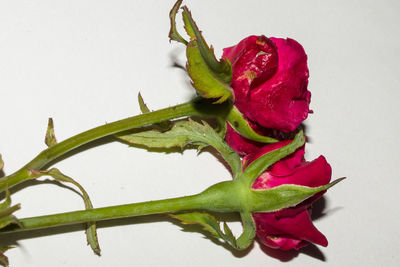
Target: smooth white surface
[[84, 62]]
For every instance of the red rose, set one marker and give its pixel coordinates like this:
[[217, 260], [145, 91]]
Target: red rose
[[291, 227], [269, 79]]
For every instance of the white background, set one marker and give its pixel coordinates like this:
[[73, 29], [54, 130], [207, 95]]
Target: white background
[[84, 62]]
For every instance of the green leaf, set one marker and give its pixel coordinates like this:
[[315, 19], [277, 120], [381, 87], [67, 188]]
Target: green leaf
[[173, 33], [210, 77], [210, 224], [91, 232], [184, 133], [207, 221], [91, 237], [257, 167], [284, 196], [50, 139], [237, 121], [249, 231]]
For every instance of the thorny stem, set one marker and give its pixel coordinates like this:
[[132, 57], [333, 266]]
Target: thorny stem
[[192, 108]]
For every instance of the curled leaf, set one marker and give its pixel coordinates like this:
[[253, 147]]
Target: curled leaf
[[249, 231], [173, 32], [91, 230], [207, 221], [210, 224]]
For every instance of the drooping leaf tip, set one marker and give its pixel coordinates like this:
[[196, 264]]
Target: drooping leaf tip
[[173, 32]]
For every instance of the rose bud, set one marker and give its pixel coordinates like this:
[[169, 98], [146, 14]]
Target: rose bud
[[290, 228]]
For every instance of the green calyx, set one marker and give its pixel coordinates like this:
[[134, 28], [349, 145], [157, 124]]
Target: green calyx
[[238, 196]]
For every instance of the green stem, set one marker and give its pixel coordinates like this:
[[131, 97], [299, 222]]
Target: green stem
[[192, 108], [112, 212], [215, 198]]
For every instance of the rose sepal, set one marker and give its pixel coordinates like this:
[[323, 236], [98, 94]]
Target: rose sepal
[[257, 167], [283, 196], [238, 122], [210, 77]]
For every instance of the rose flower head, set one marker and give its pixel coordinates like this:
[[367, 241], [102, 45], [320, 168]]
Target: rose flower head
[[290, 228], [269, 79]]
